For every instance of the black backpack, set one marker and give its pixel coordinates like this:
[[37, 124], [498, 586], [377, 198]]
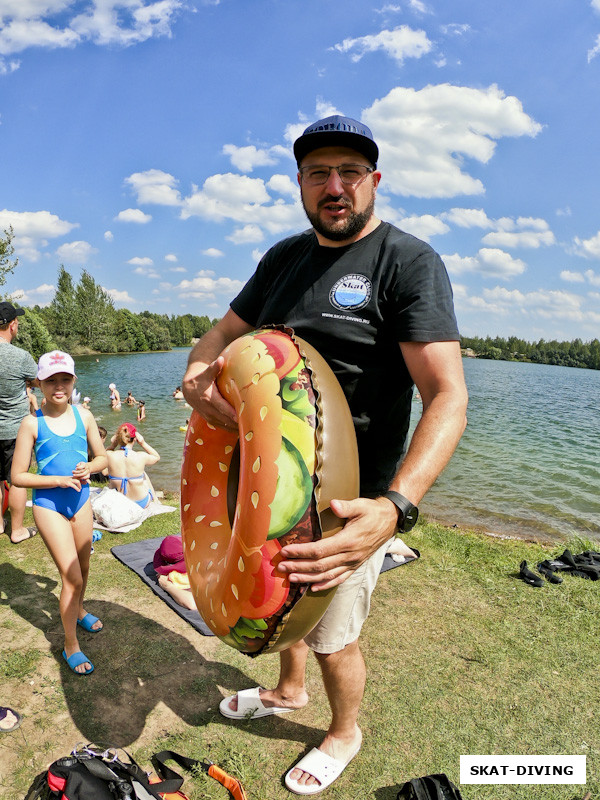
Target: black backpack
[[430, 787]]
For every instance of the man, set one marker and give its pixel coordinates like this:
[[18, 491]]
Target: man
[[17, 367], [377, 304]]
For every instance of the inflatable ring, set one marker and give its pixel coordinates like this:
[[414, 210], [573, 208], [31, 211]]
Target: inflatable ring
[[245, 495]]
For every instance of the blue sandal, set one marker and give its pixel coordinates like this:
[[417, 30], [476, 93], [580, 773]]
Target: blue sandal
[[87, 622], [75, 660]]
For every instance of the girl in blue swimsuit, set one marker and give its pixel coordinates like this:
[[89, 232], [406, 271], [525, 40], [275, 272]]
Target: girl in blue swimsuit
[[60, 435]]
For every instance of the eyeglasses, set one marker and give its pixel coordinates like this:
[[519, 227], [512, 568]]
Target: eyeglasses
[[350, 174]]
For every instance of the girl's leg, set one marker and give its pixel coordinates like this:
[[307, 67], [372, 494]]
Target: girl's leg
[[82, 525], [57, 533]]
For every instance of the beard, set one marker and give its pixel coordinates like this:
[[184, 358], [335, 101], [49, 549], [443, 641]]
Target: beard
[[339, 231]]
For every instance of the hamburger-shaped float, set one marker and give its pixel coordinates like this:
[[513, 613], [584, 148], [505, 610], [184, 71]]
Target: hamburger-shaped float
[[245, 495]]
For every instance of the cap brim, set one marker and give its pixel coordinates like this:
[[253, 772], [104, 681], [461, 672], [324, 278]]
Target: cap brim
[[313, 141]]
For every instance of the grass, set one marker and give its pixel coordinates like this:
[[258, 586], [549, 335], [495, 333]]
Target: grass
[[462, 657]]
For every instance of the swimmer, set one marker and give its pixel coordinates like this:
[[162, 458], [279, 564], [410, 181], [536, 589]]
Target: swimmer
[[178, 394], [115, 397], [141, 410], [130, 399]]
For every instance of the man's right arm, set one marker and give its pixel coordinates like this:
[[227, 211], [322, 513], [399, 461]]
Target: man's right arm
[[204, 366]]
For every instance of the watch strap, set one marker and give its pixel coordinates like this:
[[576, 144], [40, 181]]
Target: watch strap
[[403, 504]]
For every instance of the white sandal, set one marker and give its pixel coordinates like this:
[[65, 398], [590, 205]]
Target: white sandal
[[322, 767], [250, 706]]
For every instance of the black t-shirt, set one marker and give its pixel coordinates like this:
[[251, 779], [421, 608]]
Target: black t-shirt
[[354, 304]]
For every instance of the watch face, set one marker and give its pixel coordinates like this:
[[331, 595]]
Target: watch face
[[410, 518]]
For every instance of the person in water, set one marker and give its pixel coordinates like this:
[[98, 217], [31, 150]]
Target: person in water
[[115, 397], [126, 467], [60, 434]]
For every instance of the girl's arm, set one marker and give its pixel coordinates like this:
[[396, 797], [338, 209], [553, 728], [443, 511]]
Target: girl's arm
[[84, 469], [152, 457], [20, 475]]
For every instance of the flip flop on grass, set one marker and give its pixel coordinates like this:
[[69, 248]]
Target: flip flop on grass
[[7, 725], [75, 660], [87, 622]]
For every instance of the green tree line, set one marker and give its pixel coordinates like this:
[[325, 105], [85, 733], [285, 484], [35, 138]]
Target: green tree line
[[562, 354], [82, 319]]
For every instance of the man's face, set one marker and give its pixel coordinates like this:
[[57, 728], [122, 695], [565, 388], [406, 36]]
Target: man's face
[[338, 212]]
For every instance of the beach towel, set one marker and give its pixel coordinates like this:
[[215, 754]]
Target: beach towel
[[138, 556]]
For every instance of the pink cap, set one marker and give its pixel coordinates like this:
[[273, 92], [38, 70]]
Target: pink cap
[[169, 556], [54, 362], [131, 430]]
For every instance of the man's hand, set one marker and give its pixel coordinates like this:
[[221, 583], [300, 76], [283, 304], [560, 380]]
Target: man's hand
[[201, 392], [329, 562]]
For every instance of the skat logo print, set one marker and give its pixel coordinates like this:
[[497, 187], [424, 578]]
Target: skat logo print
[[351, 292]]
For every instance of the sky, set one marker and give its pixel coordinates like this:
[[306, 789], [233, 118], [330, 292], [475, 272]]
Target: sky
[[149, 142]]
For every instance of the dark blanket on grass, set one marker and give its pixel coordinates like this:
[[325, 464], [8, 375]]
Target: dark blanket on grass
[[138, 557]]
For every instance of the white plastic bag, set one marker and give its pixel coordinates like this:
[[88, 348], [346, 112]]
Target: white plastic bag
[[116, 512]]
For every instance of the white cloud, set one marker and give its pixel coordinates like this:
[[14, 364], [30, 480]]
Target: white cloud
[[589, 248], [171, 257], [532, 239], [425, 135], [249, 234], [246, 158], [120, 296], [468, 218], [418, 6], [400, 43], [244, 200], [177, 269], [76, 252], [571, 277], [592, 277], [33, 23], [206, 285], [41, 295], [133, 215], [455, 29], [283, 184], [424, 226], [593, 52], [547, 304], [389, 9], [32, 230], [154, 187], [108, 236], [147, 272], [213, 252], [141, 261], [489, 263]]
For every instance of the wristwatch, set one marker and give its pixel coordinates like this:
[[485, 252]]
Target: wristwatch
[[408, 513]]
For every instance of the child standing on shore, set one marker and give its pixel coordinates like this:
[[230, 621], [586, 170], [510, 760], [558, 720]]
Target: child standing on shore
[[60, 434]]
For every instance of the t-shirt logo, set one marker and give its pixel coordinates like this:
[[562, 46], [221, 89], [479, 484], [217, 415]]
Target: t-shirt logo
[[351, 292]]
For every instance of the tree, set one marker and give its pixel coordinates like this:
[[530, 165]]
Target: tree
[[7, 267], [33, 334], [94, 322], [129, 332], [63, 309]]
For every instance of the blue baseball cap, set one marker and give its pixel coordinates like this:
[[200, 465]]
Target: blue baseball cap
[[337, 131]]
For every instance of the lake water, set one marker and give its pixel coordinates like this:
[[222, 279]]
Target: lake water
[[527, 465]]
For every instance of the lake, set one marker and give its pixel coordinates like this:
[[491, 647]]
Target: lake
[[526, 466]]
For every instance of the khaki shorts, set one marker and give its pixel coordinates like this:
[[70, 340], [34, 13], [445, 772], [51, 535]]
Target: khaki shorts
[[342, 622]]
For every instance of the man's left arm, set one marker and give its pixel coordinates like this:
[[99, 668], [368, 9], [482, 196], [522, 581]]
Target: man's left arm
[[436, 369]]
